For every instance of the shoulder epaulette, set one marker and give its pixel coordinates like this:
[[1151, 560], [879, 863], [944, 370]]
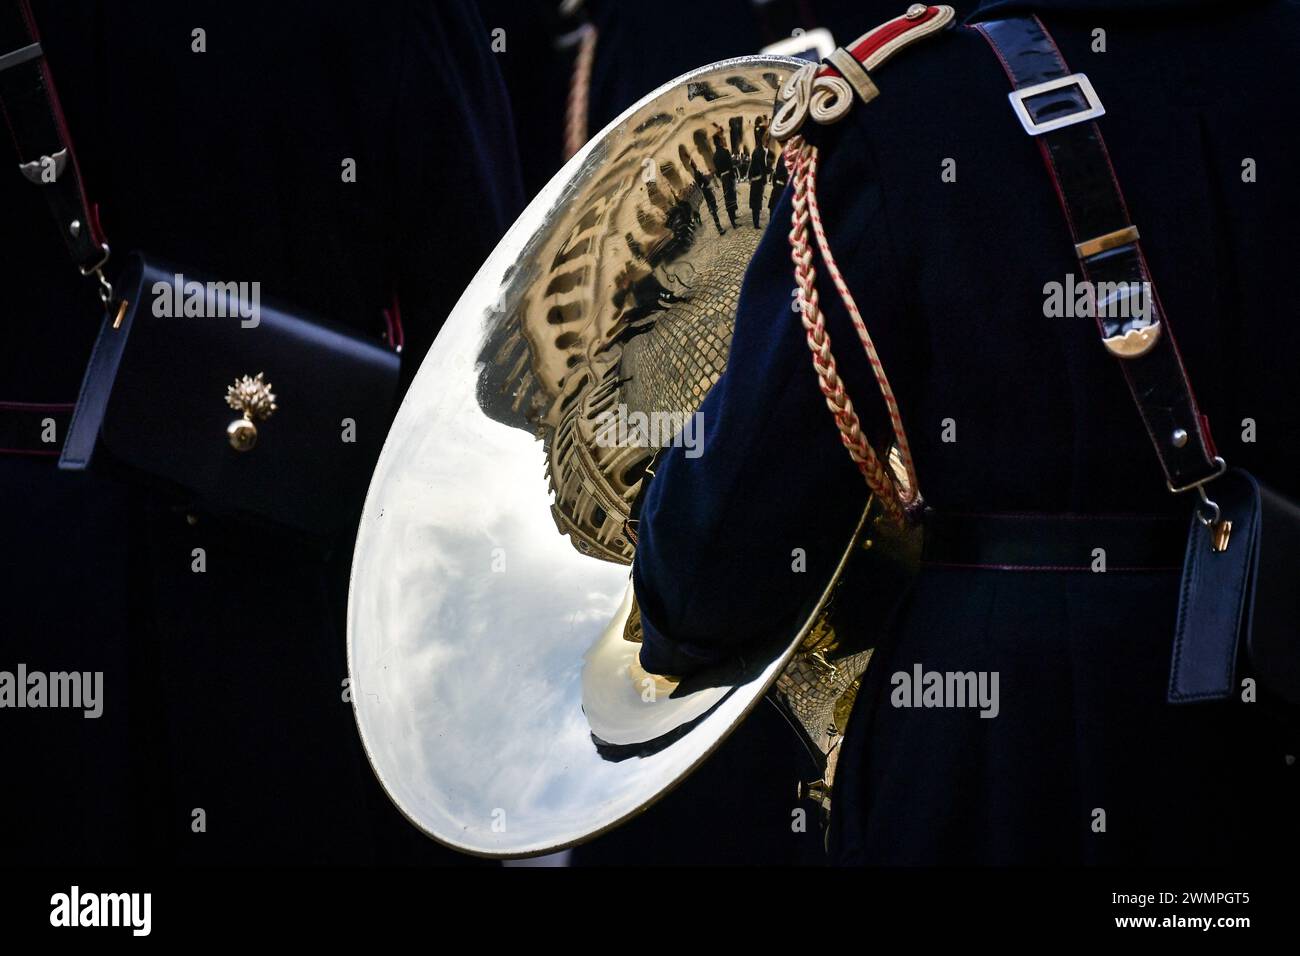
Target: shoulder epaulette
[[825, 90]]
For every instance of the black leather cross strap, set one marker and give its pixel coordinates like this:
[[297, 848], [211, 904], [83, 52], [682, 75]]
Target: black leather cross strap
[[1048, 542], [1058, 109], [1239, 569], [30, 105]]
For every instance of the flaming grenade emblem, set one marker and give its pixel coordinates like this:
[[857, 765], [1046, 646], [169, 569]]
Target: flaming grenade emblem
[[254, 398]]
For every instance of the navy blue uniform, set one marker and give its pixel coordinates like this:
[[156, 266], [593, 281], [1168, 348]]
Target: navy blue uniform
[[950, 277], [223, 690]]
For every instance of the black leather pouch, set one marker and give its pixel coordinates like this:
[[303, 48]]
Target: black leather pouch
[[154, 401], [1246, 595]]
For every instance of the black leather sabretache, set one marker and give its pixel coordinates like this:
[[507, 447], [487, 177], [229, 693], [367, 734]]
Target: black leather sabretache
[[1245, 592], [153, 400], [1215, 596]]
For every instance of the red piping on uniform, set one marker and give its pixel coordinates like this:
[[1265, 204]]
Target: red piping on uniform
[[393, 319], [36, 406], [28, 451], [1069, 568]]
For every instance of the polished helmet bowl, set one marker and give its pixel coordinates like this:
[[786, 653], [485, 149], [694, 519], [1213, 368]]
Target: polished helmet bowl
[[489, 581]]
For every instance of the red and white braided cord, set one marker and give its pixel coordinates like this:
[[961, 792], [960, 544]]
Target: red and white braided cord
[[851, 306], [800, 160], [575, 114]]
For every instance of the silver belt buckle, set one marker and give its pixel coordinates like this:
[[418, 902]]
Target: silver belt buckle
[[1091, 111]]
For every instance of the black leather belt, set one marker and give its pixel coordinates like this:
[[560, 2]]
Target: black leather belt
[[1054, 542], [25, 427]]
